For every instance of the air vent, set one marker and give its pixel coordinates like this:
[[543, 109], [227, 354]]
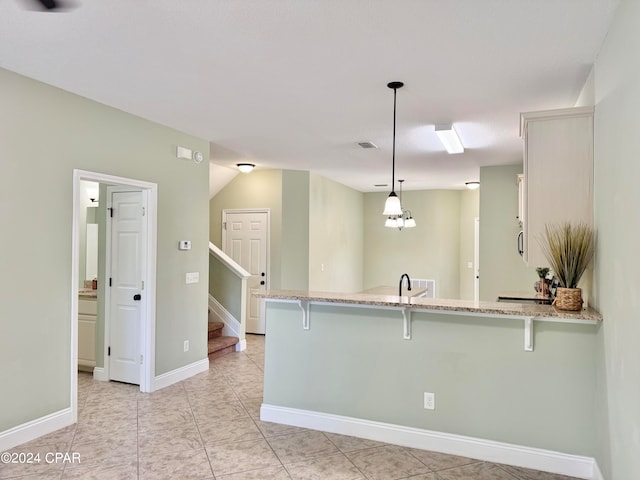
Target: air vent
[[367, 145]]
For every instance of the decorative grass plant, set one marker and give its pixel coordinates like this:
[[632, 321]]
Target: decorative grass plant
[[568, 249]]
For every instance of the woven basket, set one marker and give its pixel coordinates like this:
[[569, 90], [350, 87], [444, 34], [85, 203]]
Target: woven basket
[[568, 299]]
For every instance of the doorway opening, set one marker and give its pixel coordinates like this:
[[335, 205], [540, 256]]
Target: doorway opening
[[146, 341]]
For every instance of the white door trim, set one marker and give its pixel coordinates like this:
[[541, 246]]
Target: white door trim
[[268, 259], [476, 259], [148, 325]]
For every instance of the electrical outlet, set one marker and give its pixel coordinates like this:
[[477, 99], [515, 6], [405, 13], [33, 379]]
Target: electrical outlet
[[186, 345], [429, 401]]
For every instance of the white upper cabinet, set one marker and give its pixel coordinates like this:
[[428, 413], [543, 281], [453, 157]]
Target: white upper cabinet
[[558, 173]]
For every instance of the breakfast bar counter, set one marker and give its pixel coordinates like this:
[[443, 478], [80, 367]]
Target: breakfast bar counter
[[445, 375], [415, 302]]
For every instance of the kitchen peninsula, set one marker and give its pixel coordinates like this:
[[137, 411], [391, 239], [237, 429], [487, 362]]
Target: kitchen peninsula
[[361, 364]]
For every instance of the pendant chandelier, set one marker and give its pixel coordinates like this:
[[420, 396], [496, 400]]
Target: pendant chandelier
[[402, 221], [393, 207]]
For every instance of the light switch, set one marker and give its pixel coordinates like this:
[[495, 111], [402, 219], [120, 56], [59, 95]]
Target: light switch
[[182, 152], [184, 245], [193, 277]]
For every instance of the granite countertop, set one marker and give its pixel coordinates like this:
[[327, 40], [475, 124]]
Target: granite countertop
[[422, 303], [87, 292], [386, 290]]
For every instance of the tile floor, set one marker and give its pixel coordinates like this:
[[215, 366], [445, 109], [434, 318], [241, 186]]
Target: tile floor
[[208, 427]]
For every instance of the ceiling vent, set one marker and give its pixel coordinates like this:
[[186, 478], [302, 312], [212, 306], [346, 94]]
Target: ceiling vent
[[367, 145]]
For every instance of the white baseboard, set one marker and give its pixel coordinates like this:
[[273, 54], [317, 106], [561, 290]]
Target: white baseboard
[[35, 428], [486, 450], [231, 324], [597, 474], [179, 374], [100, 374]]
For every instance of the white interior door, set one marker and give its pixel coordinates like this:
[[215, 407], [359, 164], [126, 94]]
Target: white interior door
[[245, 240], [127, 266]]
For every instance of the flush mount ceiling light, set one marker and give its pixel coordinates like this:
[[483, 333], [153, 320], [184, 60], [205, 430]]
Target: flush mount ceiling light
[[472, 185], [449, 138], [392, 206], [245, 167]]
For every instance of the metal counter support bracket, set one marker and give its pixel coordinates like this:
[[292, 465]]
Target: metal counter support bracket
[[304, 306], [528, 334], [406, 323]]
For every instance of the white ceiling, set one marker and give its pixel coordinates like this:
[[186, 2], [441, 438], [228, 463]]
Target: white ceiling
[[296, 83]]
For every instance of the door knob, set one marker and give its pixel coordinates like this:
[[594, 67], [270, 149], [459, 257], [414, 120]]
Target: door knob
[[263, 274], [137, 297], [261, 282]]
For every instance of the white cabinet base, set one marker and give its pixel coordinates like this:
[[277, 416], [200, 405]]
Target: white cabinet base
[[87, 309]]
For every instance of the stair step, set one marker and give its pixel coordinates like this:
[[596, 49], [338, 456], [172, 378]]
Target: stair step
[[215, 329], [220, 346]]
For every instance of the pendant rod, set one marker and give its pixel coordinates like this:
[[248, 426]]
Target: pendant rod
[[395, 86], [393, 154]]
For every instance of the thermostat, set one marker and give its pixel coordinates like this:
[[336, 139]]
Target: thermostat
[[184, 245]]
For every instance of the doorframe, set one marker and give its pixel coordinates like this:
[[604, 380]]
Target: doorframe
[[268, 259], [476, 259], [144, 303], [149, 320]]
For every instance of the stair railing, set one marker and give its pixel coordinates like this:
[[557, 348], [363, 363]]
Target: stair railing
[[230, 299]]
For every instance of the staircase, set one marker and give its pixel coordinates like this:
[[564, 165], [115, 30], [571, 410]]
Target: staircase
[[219, 345]]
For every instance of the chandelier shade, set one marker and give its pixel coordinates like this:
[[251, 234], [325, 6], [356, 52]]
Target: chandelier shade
[[392, 205]]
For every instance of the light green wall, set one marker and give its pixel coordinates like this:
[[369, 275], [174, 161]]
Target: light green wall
[[357, 364], [469, 211], [295, 230], [617, 278], [225, 286], [501, 267], [258, 189], [335, 237], [309, 227], [45, 133], [429, 250], [317, 222]]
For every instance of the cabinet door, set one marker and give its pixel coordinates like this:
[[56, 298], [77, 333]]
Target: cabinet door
[[87, 340], [558, 178], [87, 306]]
